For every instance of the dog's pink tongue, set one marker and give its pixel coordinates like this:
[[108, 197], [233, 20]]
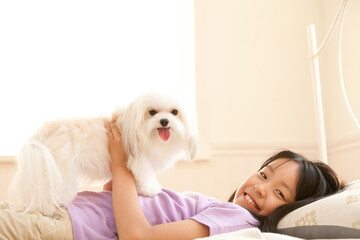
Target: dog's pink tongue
[[164, 133]]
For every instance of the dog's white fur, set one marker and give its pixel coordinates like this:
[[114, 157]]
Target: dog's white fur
[[63, 154]]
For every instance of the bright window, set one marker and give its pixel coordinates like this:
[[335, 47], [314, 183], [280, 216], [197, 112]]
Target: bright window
[[61, 59]]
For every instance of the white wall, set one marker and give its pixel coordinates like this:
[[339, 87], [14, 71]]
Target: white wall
[[254, 91]]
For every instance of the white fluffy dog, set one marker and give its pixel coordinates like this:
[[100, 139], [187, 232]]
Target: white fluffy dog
[[63, 154]]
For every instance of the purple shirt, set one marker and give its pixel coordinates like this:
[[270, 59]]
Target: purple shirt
[[92, 217]]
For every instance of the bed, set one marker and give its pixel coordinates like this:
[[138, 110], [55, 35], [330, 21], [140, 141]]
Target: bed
[[333, 217]]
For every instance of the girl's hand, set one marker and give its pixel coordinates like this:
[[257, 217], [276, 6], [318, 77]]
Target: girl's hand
[[130, 220], [117, 154]]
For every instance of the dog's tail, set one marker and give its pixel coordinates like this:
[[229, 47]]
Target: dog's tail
[[38, 184]]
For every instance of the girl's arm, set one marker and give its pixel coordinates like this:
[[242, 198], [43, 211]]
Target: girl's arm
[[130, 221]]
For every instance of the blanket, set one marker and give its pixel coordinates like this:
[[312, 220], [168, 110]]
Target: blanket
[[249, 234], [255, 233]]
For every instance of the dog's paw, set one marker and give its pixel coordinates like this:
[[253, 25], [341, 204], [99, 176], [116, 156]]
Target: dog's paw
[[149, 189]]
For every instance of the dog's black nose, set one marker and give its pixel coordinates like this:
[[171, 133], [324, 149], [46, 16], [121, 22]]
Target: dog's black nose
[[164, 122]]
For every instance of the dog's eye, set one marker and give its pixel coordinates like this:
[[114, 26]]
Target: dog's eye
[[175, 112], [152, 112]]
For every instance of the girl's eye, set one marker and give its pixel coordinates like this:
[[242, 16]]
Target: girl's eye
[[280, 194], [175, 112], [263, 175], [152, 112]]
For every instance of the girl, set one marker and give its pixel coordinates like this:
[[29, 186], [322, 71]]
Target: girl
[[281, 181], [284, 182]]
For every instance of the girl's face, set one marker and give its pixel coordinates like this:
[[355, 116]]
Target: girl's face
[[271, 187]]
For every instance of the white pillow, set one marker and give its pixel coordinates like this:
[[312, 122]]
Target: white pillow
[[336, 216]]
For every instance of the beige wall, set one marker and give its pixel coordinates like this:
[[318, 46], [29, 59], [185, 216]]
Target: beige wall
[[254, 91], [342, 135]]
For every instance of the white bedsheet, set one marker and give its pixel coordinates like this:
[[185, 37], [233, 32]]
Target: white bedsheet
[[251, 234]]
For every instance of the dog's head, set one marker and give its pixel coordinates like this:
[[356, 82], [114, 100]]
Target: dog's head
[[159, 120]]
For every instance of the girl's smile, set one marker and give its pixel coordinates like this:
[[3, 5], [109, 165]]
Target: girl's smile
[[250, 201]]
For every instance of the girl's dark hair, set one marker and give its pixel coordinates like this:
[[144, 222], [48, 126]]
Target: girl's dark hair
[[316, 180]]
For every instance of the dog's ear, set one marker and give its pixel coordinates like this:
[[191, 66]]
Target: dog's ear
[[193, 147], [190, 120], [130, 121]]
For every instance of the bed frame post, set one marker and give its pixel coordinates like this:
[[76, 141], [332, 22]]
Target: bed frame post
[[319, 113]]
